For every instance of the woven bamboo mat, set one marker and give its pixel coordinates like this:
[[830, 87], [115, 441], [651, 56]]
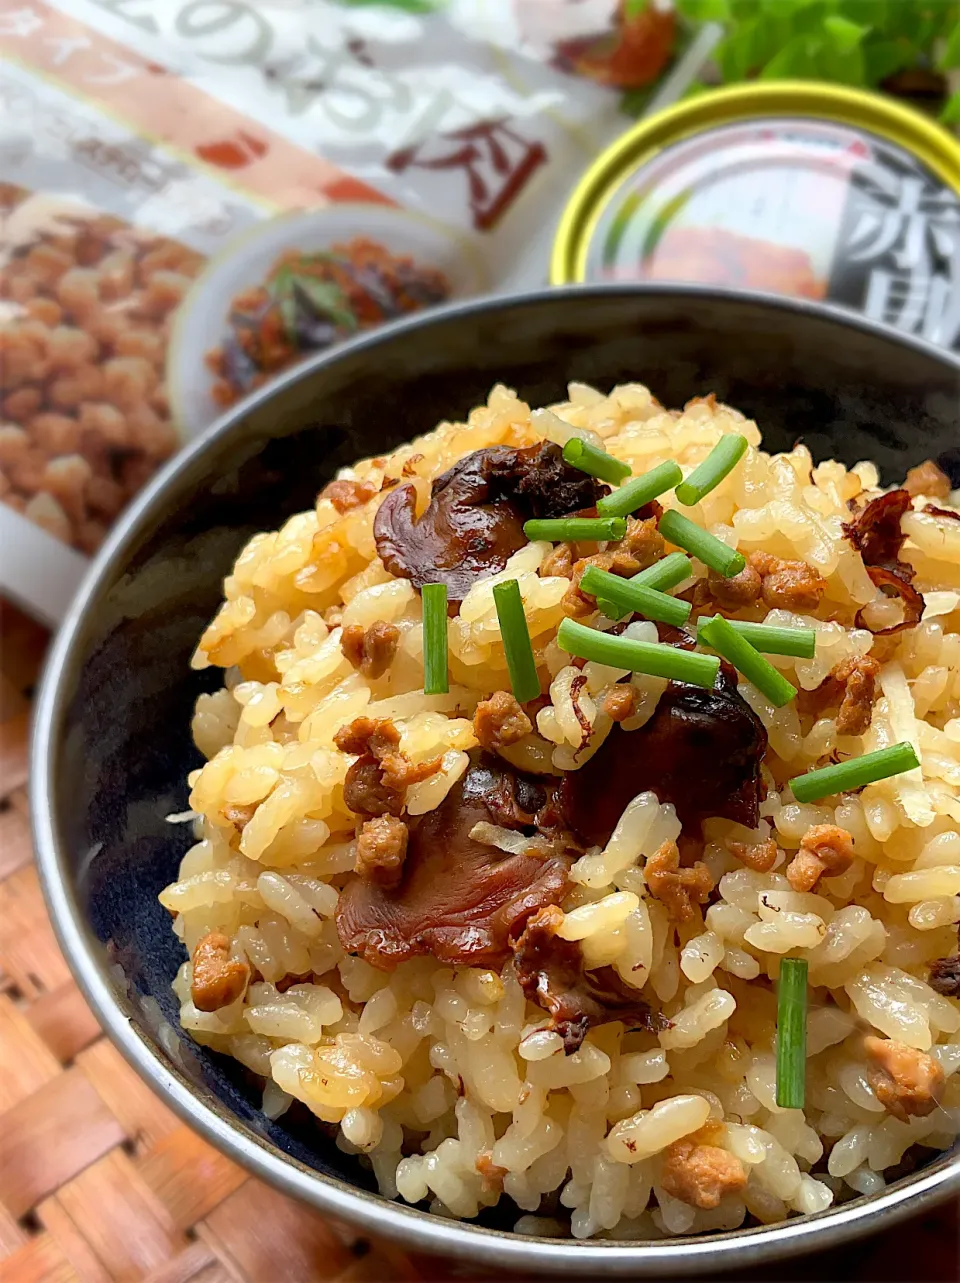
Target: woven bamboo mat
[[100, 1182]]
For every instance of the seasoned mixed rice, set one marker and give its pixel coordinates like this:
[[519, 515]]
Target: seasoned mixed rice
[[394, 913]]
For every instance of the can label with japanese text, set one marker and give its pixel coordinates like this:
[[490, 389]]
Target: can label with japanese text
[[807, 190]]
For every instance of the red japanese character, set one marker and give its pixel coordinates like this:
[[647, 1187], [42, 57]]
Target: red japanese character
[[497, 161]]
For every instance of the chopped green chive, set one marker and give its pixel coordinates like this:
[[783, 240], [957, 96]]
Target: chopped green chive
[[663, 574], [627, 594], [723, 458], [720, 634], [610, 611], [596, 462], [639, 657], [516, 640], [713, 552], [436, 680], [770, 639], [792, 1033], [854, 773], [569, 529], [638, 492]]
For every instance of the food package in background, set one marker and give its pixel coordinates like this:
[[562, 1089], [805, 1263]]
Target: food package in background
[[88, 304], [101, 237], [196, 196], [456, 129]]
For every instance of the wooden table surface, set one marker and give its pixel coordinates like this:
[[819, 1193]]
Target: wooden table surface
[[100, 1182]]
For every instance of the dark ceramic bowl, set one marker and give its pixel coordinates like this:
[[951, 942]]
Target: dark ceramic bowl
[[112, 743]]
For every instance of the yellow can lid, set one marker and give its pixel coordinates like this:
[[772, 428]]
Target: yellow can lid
[[683, 165]]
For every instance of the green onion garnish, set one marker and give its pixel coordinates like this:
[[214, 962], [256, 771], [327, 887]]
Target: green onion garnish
[[663, 574], [720, 634], [770, 639], [516, 640], [712, 551], [610, 611], [636, 656], [792, 1033], [596, 462], [434, 601], [627, 594], [638, 492], [723, 458], [855, 772], [569, 529]]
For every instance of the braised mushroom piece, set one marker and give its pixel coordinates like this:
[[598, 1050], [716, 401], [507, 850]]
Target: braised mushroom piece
[[470, 904], [701, 750], [894, 583], [944, 974], [875, 530], [458, 899], [552, 974], [474, 520], [876, 534]]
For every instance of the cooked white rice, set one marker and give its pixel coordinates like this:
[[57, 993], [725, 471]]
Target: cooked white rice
[[427, 1069]]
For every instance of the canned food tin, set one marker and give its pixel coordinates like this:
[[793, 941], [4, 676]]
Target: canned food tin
[[806, 189]]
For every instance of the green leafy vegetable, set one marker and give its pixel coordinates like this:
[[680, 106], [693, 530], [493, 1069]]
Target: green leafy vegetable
[[853, 42], [705, 10], [951, 112], [846, 35], [950, 57]]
